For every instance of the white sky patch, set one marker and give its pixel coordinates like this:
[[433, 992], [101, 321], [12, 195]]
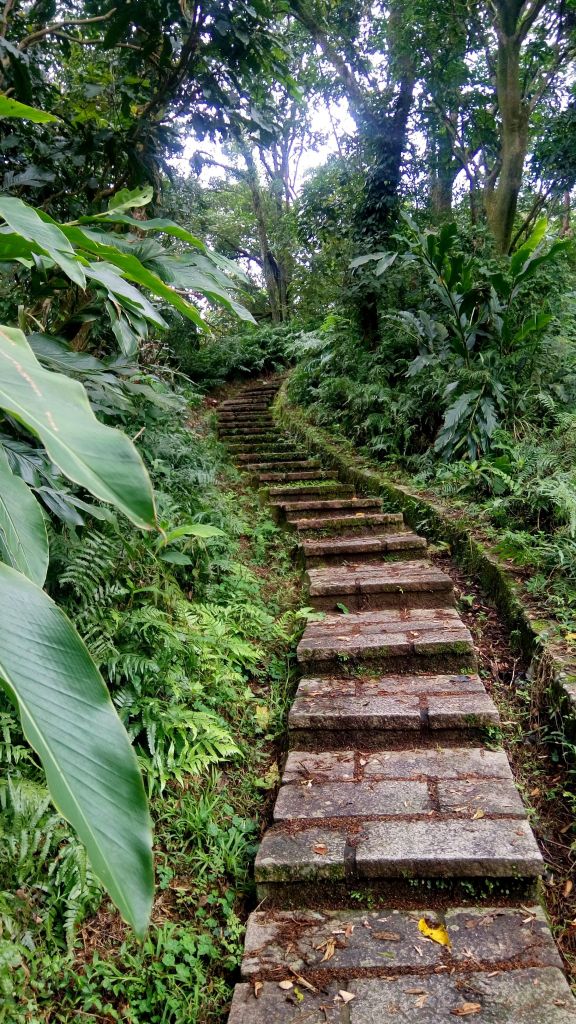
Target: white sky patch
[[333, 123]]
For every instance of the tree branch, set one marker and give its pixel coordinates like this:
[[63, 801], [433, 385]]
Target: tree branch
[[55, 26]]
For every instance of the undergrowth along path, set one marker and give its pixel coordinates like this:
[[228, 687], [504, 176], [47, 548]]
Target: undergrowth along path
[[399, 878]]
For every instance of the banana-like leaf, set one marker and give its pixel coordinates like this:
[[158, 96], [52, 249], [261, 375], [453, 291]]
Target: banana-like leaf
[[127, 198], [56, 409], [12, 108], [23, 538], [68, 718], [24, 220]]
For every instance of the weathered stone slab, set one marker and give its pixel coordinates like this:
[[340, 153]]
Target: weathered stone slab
[[407, 577], [351, 799], [386, 634], [474, 797], [295, 493], [485, 935], [317, 474], [436, 763], [464, 711], [337, 709], [323, 767], [424, 685], [271, 455], [414, 584], [314, 506], [531, 995], [314, 854], [278, 941], [448, 849], [362, 548], [333, 523], [274, 1006], [260, 465]]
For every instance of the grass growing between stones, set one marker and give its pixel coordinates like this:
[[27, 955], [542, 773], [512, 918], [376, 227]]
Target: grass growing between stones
[[198, 653]]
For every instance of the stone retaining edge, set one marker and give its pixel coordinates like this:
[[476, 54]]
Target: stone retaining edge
[[552, 674]]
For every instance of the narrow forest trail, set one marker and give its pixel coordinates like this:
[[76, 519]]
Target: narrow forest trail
[[399, 879]]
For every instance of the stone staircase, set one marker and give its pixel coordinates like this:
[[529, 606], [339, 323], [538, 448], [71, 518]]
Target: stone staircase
[[398, 880]]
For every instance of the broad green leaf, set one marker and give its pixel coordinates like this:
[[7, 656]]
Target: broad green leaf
[[359, 261], [176, 558], [127, 198], [23, 538], [68, 718], [56, 409], [203, 530], [167, 227], [24, 220], [133, 270], [12, 108]]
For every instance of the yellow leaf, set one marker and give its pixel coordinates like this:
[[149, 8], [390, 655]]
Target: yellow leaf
[[478, 814], [570, 637], [435, 932], [262, 716]]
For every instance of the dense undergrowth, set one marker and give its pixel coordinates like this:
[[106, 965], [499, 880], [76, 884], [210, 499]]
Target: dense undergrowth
[[195, 642], [468, 392]]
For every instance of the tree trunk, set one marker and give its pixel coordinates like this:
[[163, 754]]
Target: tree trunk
[[566, 229], [270, 267], [503, 186]]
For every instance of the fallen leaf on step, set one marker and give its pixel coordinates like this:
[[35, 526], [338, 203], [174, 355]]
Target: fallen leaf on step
[[329, 950], [346, 997], [478, 814], [415, 991], [320, 848], [568, 886], [258, 986], [435, 932], [387, 936], [466, 1009], [421, 1001], [286, 985]]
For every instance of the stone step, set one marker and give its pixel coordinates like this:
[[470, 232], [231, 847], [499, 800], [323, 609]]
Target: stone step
[[412, 640], [376, 966], [238, 440], [245, 418], [250, 433], [426, 784], [295, 493], [335, 712], [271, 455], [243, 405], [367, 522], [379, 585], [327, 507], [260, 465], [278, 442], [504, 997], [373, 547], [311, 860], [317, 474], [282, 943]]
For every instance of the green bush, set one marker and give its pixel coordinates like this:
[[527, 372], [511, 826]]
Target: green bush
[[211, 361]]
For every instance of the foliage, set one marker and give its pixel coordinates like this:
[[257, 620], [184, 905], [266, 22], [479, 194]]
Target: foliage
[[211, 361], [201, 644]]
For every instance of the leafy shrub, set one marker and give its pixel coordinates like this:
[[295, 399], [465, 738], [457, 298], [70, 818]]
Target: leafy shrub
[[209, 362]]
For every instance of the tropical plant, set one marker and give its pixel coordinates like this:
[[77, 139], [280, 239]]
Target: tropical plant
[[65, 709], [481, 338]]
